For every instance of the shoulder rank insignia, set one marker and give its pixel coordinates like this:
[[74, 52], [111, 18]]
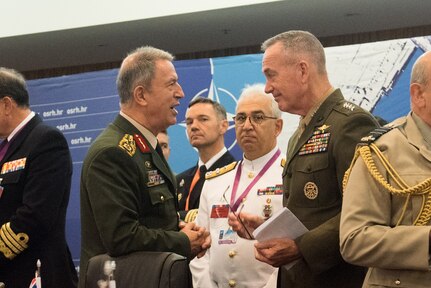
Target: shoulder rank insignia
[[283, 162], [220, 171], [128, 144], [374, 135], [142, 144], [349, 106]]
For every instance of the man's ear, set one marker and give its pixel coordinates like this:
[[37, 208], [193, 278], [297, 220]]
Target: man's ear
[[416, 95], [304, 70], [140, 95], [224, 124], [9, 104], [279, 126]]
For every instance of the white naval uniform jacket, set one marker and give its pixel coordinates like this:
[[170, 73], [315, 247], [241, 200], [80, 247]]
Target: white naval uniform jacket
[[234, 265]]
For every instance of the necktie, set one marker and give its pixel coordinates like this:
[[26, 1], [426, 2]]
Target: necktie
[[199, 172], [3, 148], [295, 137]]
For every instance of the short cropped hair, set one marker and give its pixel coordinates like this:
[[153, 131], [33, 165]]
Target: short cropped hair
[[218, 108], [258, 90], [299, 42], [12, 84], [139, 67]]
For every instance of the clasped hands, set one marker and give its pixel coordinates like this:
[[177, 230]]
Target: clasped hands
[[275, 252], [199, 237]]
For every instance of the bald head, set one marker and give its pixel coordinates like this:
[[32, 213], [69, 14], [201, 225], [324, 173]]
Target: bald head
[[420, 87]]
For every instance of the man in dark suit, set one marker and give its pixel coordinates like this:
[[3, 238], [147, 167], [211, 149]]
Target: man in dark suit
[[206, 125], [318, 154], [36, 170], [128, 191]]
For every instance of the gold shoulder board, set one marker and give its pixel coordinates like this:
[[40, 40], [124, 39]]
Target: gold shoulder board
[[128, 144], [220, 171]]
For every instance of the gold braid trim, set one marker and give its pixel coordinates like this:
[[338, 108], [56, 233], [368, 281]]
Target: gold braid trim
[[12, 244], [191, 216], [422, 189]]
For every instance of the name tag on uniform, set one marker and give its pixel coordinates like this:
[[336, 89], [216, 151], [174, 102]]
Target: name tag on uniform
[[220, 211]]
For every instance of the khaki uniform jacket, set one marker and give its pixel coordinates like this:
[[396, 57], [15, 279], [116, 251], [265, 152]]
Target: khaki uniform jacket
[[128, 199], [312, 181], [369, 234]]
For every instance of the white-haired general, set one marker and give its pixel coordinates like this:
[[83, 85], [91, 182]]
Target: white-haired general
[[252, 185]]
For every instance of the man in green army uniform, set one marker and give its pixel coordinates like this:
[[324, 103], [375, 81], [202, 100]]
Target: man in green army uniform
[[128, 198], [318, 154]]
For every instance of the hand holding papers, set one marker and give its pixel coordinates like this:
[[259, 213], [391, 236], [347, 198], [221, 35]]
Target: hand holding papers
[[283, 224], [276, 246]]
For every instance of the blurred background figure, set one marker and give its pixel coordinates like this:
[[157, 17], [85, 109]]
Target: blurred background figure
[[206, 122], [163, 139]]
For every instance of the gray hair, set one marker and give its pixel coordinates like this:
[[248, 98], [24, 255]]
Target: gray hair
[[12, 84], [299, 42], [258, 91], [139, 68]]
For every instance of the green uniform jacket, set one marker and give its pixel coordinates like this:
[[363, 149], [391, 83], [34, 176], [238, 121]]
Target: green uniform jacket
[[128, 199], [312, 180]]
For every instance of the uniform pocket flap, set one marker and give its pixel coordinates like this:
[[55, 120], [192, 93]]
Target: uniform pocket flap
[[159, 195]]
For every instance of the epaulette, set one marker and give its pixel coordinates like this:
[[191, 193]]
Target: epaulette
[[283, 162], [191, 215], [220, 171], [128, 144], [375, 134]]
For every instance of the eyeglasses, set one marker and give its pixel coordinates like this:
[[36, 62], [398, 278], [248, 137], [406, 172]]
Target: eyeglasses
[[255, 119]]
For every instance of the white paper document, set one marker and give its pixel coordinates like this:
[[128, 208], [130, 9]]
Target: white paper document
[[281, 225]]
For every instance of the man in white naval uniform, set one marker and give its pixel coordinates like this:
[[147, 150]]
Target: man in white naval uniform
[[253, 185]]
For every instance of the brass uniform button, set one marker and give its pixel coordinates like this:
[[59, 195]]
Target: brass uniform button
[[162, 198], [232, 253], [397, 282], [232, 283]]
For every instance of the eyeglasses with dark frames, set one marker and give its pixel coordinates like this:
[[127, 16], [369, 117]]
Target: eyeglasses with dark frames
[[255, 118]]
